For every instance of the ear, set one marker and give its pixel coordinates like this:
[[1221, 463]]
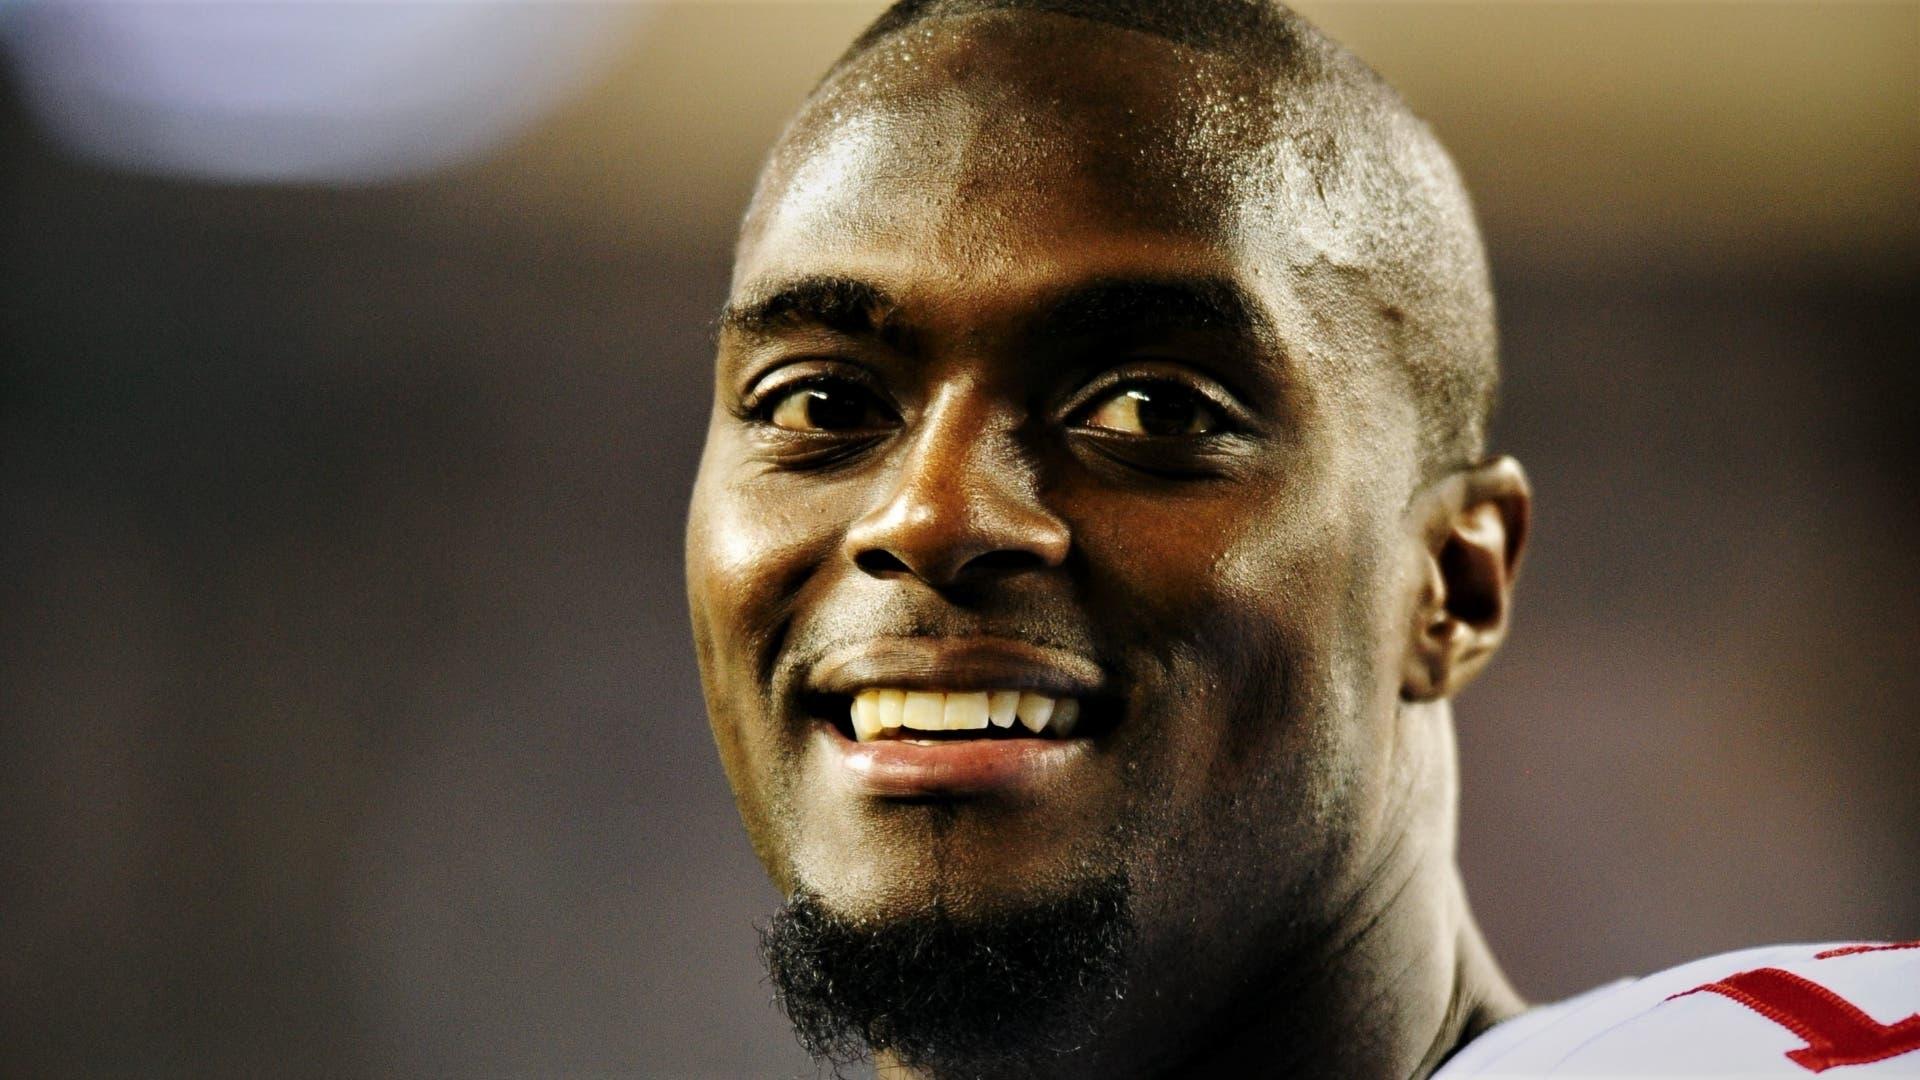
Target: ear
[[1473, 527]]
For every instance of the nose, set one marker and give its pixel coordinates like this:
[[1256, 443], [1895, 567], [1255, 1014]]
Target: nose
[[964, 505]]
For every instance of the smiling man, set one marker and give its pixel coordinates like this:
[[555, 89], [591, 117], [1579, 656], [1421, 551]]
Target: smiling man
[[1091, 529], [1093, 526]]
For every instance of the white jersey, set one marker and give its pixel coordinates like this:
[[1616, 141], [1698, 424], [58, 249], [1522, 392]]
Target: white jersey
[[1851, 1011]]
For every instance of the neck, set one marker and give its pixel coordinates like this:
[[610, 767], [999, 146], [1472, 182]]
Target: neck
[[1395, 980], [1392, 1002]]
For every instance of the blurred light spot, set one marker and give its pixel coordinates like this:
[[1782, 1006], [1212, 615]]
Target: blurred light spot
[[303, 92]]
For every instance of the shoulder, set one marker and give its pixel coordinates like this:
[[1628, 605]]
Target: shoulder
[[1785, 1010]]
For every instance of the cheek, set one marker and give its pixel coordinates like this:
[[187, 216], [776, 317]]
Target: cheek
[[748, 550], [1251, 626], [750, 546], [1241, 586], [1226, 612]]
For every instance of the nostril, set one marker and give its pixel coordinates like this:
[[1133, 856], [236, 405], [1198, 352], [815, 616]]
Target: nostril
[[879, 562]]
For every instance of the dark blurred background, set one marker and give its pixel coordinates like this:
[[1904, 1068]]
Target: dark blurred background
[[348, 722]]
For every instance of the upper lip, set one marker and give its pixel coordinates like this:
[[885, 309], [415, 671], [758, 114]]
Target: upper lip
[[960, 664]]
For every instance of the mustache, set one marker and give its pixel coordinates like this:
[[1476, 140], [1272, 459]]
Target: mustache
[[828, 627]]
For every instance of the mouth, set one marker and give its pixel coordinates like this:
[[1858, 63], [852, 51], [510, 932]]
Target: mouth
[[918, 717], [915, 715]]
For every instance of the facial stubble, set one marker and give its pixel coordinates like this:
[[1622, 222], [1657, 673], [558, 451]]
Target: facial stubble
[[999, 993]]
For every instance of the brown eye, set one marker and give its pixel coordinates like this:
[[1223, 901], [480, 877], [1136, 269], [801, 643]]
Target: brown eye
[[1154, 410], [818, 407]]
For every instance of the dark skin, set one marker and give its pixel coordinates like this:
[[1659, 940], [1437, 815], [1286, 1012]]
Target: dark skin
[[1015, 348]]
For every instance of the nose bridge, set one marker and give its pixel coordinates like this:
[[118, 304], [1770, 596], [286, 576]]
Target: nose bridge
[[965, 497], [966, 445]]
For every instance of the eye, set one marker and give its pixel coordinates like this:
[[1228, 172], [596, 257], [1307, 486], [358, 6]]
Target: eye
[[827, 406], [1153, 409]]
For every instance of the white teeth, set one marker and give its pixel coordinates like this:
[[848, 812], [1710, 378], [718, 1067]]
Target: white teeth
[[966, 711], [892, 703], [866, 716], [1034, 710], [1001, 705], [873, 712], [926, 712]]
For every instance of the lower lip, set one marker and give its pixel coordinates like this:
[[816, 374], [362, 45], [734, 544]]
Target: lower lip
[[898, 768]]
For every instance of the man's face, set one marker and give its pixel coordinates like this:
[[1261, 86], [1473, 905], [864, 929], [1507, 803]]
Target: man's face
[[1022, 390]]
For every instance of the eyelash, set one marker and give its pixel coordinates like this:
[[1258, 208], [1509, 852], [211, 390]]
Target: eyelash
[[1110, 383], [758, 403], [765, 394]]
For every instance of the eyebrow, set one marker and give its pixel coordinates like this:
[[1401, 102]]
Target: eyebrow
[[848, 305], [1108, 305], [1099, 307]]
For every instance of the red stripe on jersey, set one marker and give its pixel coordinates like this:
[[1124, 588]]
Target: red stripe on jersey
[[1836, 1031], [1853, 949]]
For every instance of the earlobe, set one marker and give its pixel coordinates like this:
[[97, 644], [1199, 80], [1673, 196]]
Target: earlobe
[[1473, 526]]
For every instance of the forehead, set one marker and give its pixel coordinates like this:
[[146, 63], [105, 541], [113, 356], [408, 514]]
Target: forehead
[[975, 144]]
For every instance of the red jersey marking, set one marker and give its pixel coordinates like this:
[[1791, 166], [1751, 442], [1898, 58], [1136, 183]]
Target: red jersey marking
[[1852, 949], [1837, 1032]]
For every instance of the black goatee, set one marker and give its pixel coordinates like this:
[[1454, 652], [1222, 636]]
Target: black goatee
[[999, 995]]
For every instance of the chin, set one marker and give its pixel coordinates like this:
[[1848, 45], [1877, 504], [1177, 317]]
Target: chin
[[983, 992]]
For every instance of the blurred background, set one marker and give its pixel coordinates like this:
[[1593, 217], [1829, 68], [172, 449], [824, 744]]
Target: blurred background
[[354, 373]]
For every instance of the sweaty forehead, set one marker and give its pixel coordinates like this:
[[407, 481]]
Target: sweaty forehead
[[978, 130]]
